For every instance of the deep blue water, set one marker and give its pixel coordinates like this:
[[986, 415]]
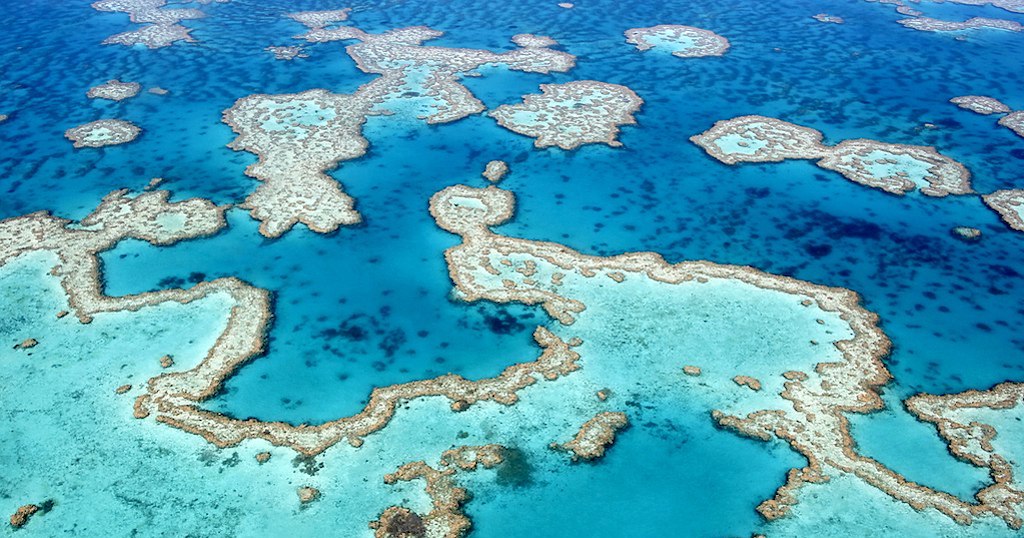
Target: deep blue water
[[369, 305]]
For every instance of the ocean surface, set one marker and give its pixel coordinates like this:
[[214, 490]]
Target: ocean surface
[[371, 305]]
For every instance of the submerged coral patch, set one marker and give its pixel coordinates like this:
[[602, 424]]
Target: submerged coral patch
[[161, 25], [681, 41], [114, 90], [1010, 206], [21, 516], [287, 53], [495, 171], [813, 423], [980, 104], [894, 168], [1014, 121], [966, 233], [596, 435], [927, 24], [572, 114], [101, 133], [446, 518], [897, 168], [825, 17], [760, 139], [320, 19], [299, 137]]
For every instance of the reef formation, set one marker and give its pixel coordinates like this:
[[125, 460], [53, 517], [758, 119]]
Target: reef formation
[[21, 516], [114, 90], [320, 19], [1013, 119], [917, 21], [546, 274], [401, 60], [97, 134], [161, 25], [681, 41], [300, 137], [446, 518], [1010, 206], [595, 435], [572, 114], [1014, 6], [893, 168], [287, 53], [172, 396], [495, 171], [980, 104], [970, 423], [825, 17], [814, 422], [927, 24]]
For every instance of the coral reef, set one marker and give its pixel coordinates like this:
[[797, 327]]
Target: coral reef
[[980, 104], [114, 90], [681, 41], [299, 137], [966, 233], [572, 114], [287, 53], [28, 343], [825, 17], [20, 517], [495, 171], [917, 20], [161, 24], [1010, 206], [1015, 6], [596, 435], [400, 56], [100, 133], [171, 397], [893, 168], [320, 19], [307, 494], [927, 24], [814, 424], [445, 519], [747, 381], [1014, 121], [971, 440]]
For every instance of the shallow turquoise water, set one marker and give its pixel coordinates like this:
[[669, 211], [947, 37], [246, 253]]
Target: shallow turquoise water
[[369, 305]]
